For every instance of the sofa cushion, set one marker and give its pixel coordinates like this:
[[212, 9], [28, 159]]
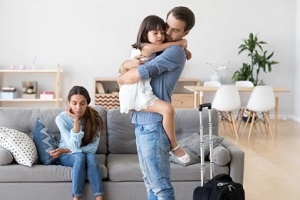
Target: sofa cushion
[[187, 121], [20, 145], [27, 118], [125, 167], [5, 156], [44, 142], [102, 148], [120, 130], [43, 173], [192, 172]]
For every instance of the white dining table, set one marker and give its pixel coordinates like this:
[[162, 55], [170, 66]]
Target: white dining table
[[200, 90]]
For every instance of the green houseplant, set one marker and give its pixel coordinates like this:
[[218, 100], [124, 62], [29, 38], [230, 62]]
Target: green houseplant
[[260, 60]]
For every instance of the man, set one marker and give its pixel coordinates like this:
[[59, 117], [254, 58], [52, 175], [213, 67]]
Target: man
[[152, 141]]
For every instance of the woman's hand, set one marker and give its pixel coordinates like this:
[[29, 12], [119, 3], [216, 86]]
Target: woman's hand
[[71, 114], [56, 153], [76, 127]]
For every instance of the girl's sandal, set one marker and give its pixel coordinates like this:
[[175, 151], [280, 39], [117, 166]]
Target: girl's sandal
[[184, 159]]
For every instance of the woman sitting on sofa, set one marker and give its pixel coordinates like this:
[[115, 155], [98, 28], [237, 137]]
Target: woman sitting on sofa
[[80, 127]]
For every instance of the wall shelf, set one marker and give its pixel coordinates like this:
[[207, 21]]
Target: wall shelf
[[57, 99]]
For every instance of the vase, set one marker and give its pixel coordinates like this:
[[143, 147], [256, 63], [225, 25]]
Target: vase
[[215, 77]]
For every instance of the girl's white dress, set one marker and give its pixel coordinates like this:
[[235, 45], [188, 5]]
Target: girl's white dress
[[136, 96]]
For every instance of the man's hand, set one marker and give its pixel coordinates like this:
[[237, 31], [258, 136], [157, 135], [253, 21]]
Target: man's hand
[[188, 54]]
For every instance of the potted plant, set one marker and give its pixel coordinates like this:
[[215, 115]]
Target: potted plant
[[260, 60]]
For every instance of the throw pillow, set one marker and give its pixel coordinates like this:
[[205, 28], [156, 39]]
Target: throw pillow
[[192, 143], [19, 145], [221, 155], [5, 156], [44, 142]]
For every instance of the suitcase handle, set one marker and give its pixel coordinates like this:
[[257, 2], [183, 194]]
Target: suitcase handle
[[204, 105], [202, 160]]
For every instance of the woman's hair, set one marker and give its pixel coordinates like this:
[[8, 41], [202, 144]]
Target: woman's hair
[[183, 14], [92, 121], [150, 23]]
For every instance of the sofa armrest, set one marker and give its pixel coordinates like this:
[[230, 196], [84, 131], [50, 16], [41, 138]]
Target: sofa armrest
[[236, 165]]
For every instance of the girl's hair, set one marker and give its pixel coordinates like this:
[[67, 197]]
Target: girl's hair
[[92, 121], [150, 23]]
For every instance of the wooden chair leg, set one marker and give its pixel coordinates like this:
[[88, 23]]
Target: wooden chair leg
[[265, 123], [252, 121], [223, 122], [259, 124], [234, 125], [230, 122], [270, 127], [248, 119]]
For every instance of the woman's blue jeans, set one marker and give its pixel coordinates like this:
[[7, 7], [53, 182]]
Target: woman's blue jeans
[[84, 166], [153, 150]]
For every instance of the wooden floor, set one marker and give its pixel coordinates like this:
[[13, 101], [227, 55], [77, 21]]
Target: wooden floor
[[272, 167]]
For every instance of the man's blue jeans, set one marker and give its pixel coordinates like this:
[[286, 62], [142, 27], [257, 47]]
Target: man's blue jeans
[[84, 166], [153, 150]]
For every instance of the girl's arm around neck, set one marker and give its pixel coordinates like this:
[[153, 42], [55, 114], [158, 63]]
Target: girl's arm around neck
[[149, 49]]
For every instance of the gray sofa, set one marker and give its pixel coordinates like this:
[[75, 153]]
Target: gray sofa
[[122, 177]]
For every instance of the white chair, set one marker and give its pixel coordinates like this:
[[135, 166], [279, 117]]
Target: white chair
[[227, 100], [262, 100], [212, 83], [242, 110]]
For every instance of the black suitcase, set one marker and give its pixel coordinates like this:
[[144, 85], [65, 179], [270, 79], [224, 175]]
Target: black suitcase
[[220, 187]]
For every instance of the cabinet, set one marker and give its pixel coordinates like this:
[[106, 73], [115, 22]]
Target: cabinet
[[106, 93], [43, 75]]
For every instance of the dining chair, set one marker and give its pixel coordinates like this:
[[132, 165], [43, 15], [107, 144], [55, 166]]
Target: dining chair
[[226, 101], [260, 103], [212, 83], [242, 114]]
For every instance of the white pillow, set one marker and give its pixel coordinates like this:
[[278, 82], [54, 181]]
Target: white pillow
[[5, 156], [20, 146]]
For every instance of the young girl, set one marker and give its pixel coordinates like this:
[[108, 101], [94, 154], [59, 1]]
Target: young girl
[[80, 127], [139, 96]]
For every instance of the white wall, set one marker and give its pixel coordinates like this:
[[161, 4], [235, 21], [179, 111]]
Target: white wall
[[91, 38], [297, 66]]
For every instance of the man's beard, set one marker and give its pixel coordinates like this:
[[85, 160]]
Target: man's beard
[[169, 39]]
